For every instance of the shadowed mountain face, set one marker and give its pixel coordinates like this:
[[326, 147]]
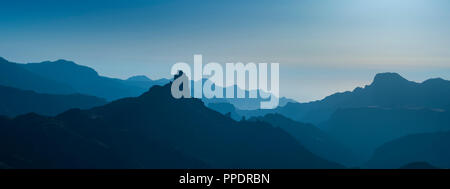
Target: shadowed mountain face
[[313, 138], [364, 129], [64, 77], [49, 143], [426, 147], [15, 102], [151, 131], [388, 90], [389, 108]]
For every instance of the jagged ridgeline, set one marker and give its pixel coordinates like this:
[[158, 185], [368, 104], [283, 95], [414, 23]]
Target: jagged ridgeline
[[153, 130]]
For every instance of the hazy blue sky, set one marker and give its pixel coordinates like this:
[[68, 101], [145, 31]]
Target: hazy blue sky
[[323, 46]]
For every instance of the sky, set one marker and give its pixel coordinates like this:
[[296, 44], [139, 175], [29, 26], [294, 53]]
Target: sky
[[323, 46]]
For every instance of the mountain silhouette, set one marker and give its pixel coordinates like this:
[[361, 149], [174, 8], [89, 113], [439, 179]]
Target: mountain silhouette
[[14, 75], [313, 138], [243, 104], [15, 102], [388, 90], [65, 77], [424, 147], [144, 128], [364, 129], [365, 118], [153, 130], [144, 82]]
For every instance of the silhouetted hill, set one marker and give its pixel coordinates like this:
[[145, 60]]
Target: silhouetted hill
[[14, 75], [388, 90], [15, 102], [426, 147], [152, 130], [364, 129], [313, 138], [65, 77]]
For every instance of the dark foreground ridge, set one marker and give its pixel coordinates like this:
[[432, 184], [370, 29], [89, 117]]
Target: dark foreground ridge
[[153, 130]]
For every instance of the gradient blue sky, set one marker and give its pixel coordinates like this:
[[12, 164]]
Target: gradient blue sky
[[323, 46]]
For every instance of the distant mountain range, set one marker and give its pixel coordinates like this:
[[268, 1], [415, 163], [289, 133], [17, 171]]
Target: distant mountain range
[[418, 165], [14, 102], [14, 75], [246, 103], [361, 120], [153, 130], [66, 77], [388, 90], [391, 123]]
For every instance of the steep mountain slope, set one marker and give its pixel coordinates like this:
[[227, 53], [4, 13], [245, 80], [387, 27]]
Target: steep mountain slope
[[313, 138], [132, 129], [15, 102], [425, 147]]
